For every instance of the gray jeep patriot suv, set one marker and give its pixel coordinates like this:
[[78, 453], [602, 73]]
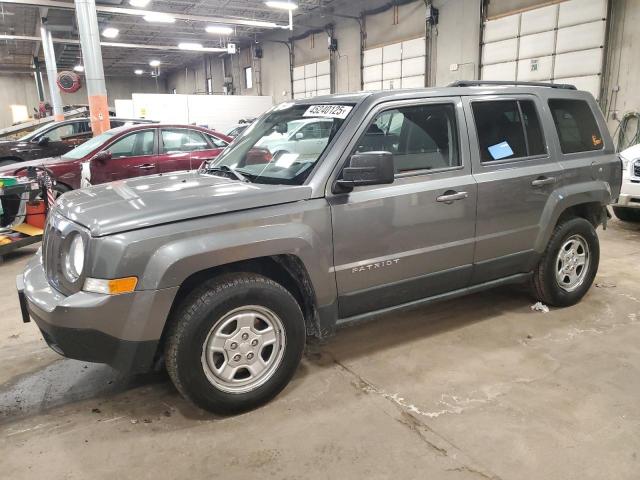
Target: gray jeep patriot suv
[[393, 200]]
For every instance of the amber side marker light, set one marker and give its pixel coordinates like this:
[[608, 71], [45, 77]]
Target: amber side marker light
[[114, 286]]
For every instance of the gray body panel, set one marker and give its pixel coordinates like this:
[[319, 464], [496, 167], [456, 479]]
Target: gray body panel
[[364, 252]]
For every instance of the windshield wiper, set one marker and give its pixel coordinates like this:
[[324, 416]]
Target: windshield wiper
[[226, 171]]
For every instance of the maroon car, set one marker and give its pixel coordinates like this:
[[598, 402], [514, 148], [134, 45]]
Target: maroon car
[[130, 151]]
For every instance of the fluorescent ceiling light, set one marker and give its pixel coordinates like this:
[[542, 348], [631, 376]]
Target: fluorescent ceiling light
[[159, 17], [281, 4], [154, 63], [110, 32], [78, 68], [258, 23], [139, 3], [190, 46], [138, 72], [221, 29]]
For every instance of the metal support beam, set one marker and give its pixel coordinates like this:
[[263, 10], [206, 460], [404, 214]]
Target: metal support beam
[[38, 75], [52, 71], [93, 69]]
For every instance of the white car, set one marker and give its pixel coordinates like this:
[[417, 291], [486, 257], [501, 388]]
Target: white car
[[303, 137], [628, 206]]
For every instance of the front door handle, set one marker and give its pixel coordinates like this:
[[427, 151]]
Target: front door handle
[[542, 181], [146, 166], [451, 196]]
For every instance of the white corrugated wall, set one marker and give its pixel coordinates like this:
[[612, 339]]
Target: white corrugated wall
[[396, 65]]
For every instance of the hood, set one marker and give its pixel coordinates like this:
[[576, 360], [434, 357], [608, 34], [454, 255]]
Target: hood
[[46, 162], [147, 201], [631, 153]]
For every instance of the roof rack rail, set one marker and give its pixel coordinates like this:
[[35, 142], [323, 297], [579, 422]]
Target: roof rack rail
[[479, 83]]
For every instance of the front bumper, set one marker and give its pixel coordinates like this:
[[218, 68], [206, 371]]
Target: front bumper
[[629, 194], [120, 330]]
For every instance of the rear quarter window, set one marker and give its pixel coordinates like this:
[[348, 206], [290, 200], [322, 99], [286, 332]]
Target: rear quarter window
[[576, 126]]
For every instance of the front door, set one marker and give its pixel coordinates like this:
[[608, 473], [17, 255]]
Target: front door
[[516, 172], [184, 149], [394, 244], [132, 155]]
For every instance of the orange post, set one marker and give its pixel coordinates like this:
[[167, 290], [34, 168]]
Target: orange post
[[99, 112]]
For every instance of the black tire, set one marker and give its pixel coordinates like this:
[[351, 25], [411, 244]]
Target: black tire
[[195, 318], [627, 214], [544, 284]]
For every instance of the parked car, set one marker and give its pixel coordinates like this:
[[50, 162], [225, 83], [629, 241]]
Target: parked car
[[237, 129], [130, 151], [417, 196], [302, 137], [53, 139], [627, 208]]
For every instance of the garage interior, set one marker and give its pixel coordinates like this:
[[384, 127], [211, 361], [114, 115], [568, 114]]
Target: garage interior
[[479, 387]]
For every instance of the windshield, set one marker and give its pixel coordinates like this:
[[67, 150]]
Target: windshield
[[87, 147], [35, 133], [285, 144]]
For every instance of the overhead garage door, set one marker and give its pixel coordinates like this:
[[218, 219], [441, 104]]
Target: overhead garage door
[[398, 65], [312, 79], [561, 43]]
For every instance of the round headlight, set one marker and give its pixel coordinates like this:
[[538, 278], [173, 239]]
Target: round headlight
[[74, 259]]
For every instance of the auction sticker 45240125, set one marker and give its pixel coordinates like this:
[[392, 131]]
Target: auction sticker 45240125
[[328, 111]]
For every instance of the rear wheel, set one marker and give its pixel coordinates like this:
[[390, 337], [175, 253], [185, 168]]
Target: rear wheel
[[235, 343], [627, 214], [569, 264]]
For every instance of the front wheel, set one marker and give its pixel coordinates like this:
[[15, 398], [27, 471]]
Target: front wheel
[[569, 264], [235, 343]]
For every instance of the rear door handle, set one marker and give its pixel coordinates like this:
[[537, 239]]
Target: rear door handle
[[542, 181], [146, 166], [451, 196]]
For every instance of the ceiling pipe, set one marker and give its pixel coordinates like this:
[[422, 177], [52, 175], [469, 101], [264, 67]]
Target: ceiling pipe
[[247, 22]]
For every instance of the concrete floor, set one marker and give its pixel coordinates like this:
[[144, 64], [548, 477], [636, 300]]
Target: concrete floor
[[477, 388]]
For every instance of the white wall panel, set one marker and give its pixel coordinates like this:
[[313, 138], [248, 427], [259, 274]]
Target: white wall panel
[[372, 57], [537, 45], [499, 52], [578, 64], [392, 70], [298, 86], [323, 82], [315, 78], [372, 86], [574, 12], [414, 48], [590, 83], [535, 69], [391, 53], [310, 70], [323, 68], [499, 71], [413, 66], [325, 91], [298, 73], [310, 84], [538, 20], [372, 74], [501, 29], [416, 81], [581, 37]]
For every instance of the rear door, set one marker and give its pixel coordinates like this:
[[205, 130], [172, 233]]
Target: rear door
[[132, 155], [394, 244], [184, 149], [515, 166]]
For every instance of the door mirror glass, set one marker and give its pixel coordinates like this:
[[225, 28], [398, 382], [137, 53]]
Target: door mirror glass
[[368, 168], [42, 141], [102, 156], [299, 136]]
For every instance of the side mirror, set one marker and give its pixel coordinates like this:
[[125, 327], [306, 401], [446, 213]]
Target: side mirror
[[42, 141], [299, 136], [369, 168], [102, 156]]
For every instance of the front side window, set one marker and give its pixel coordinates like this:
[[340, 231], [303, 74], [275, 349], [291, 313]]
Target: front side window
[[217, 142], [269, 151], [508, 129], [421, 137], [182, 140], [57, 134], [133, 145], [576, 126]]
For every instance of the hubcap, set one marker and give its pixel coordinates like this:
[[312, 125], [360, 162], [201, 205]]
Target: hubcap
[[243, 349], [572, 263]]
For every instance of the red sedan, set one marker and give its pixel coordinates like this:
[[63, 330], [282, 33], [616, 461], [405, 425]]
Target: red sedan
[[130, 151]]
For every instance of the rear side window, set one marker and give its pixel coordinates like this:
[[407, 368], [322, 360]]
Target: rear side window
[[421, 138], [577, 127], [508, 129]]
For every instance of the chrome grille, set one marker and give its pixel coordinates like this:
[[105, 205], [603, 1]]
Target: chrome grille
[[636, 168]]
